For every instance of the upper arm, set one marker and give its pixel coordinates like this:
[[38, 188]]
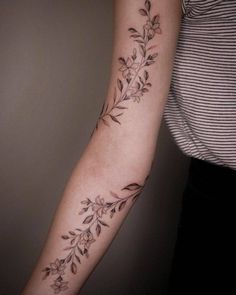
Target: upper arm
[[145, 37], [162, 18]]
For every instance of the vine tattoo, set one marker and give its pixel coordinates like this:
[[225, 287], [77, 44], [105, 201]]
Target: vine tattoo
[[80, 239], [134, 81], [132, 85]]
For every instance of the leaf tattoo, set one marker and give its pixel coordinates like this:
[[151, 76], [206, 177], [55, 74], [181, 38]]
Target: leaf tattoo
[[80, 239], [134, 81]]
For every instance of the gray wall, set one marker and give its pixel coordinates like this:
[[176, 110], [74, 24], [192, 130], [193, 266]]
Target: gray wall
[[54, 70]]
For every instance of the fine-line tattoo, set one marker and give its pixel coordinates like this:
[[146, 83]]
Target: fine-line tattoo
[[134, 81], [133, 84], [80, 239]]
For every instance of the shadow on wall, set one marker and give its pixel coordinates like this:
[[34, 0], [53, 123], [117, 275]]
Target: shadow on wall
[[51, 55]]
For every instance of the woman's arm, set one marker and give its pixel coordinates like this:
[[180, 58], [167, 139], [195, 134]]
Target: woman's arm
[[113, 169]]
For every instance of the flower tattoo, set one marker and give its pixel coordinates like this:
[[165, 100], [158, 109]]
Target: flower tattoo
[[80, 240], [134, 80], [132, 84], [59, 285], [57, 267]]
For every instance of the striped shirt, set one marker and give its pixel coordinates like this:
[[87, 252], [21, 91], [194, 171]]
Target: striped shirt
[[201, 107]]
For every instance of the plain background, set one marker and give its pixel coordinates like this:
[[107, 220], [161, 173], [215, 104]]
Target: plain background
[[54, 69]]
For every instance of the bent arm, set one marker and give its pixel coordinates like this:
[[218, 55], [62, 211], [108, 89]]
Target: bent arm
[[113, 168]]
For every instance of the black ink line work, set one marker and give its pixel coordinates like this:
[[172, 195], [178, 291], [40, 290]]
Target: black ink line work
[[132, 85], [80, 239], [134, 81]]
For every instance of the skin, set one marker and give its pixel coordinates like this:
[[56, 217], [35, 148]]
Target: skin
[[105, 178]]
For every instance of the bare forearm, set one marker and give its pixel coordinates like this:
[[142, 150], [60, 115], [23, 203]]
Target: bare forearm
[[113, 169]]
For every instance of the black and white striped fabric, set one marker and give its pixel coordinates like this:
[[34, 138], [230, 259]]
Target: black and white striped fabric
[[201, 107]]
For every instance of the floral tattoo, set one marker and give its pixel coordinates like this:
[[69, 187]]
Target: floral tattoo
[[134, 80], [80, 239]]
